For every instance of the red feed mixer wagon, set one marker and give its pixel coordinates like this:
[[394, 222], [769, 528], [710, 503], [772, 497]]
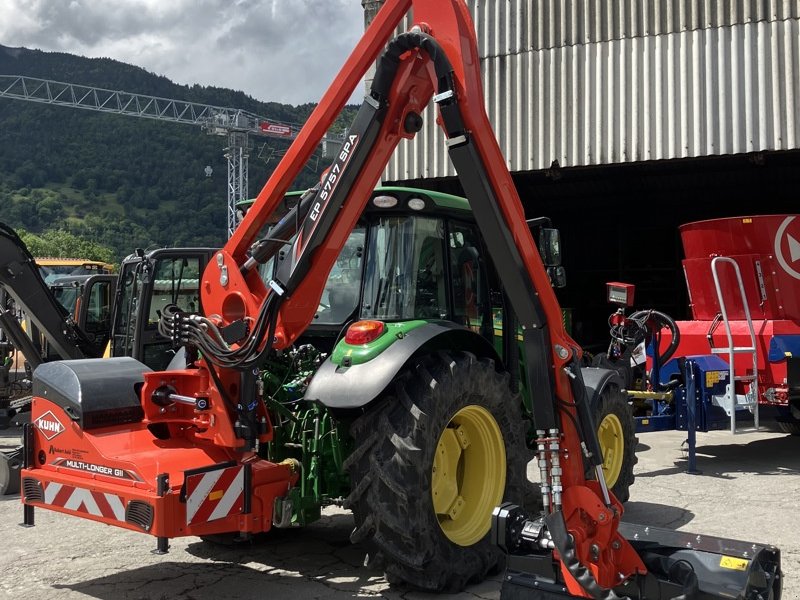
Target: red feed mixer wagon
[[743, 278]]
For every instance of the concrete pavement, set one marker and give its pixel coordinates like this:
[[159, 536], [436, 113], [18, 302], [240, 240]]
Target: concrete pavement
[[749, 489]]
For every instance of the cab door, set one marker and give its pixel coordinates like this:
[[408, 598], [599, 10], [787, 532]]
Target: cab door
[[93, 312], [173, 278]]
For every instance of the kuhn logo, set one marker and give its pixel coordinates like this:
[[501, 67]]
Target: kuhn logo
[[49, 425]]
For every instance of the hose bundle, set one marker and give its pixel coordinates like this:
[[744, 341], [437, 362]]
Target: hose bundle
[[646, 325], [192, 329]]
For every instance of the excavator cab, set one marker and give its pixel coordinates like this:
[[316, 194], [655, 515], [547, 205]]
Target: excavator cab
[[89, 300]]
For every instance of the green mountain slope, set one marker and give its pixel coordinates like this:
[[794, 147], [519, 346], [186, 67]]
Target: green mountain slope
[[121, 181]]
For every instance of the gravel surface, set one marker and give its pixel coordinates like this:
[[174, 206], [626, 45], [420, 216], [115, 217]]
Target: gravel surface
[[749, 489]]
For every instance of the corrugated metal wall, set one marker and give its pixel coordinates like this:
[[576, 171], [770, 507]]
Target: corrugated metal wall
[[588, 82]]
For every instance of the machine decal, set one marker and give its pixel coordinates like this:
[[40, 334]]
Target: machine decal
[[98, 504], [214, 494], [87, 467], [731, 562], [787, 246], [49, 425]]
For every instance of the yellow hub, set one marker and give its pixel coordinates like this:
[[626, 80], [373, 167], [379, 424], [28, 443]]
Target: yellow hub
[[468, 475], [612, 445]]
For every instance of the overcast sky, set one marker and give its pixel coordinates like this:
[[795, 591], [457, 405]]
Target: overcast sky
[[274, 50]]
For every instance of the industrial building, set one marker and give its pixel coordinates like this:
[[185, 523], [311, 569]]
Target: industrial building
[[622, 119]]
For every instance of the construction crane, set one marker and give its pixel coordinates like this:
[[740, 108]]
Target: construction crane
[[238, 125]]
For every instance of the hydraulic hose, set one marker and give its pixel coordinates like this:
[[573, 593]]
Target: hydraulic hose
[[662, 320], [281, 233]]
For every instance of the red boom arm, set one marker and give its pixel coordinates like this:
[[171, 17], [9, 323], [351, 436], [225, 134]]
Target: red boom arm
[[231, 294]]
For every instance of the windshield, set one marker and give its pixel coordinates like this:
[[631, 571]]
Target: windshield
[[67, 297], [176, 280], [340, 296], [405, 277], [52, 272]]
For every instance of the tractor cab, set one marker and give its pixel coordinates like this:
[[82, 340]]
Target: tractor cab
[[415, 255], [147, 283]]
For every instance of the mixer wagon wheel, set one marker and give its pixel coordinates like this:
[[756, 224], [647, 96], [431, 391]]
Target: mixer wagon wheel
[[792, 427]]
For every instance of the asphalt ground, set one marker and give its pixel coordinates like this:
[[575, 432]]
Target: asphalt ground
[[749, 489]]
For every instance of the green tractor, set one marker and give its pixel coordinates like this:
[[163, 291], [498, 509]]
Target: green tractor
[[405, 402]]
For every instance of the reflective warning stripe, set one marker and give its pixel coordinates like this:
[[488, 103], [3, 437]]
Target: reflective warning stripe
[[214, 494], [98, 504]]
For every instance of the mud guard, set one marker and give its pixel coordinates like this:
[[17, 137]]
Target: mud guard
[[339, 387], [596, 379]]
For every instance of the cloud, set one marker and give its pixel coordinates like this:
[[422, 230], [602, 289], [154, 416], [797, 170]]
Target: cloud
[[274, 50]]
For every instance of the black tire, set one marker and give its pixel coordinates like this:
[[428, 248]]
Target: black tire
[[10, 466], [613, 418], [792, 427], [391, 470]]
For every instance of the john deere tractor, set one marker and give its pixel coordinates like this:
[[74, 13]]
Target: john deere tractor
[[405, 400]]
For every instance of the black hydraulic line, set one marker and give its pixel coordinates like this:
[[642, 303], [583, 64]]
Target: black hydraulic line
[[585, 418], [661, 320], [389, 61], [282, 232], [356, 151]]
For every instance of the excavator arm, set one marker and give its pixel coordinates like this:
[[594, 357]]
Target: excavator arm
[[21, 279]]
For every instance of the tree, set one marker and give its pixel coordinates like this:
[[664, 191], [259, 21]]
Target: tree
[[60, 243]]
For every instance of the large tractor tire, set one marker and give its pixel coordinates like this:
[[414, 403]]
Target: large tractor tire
[[441, 449], [613, 418]]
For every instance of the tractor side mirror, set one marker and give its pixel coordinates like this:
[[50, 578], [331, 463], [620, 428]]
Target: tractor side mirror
[[550, 246], [558, 276]]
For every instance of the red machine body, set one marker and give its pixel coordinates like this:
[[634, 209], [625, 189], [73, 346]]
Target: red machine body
[[174, 460], [766, 248]]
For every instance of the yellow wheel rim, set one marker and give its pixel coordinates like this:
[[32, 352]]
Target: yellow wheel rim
[[468, 475], [612, 445]]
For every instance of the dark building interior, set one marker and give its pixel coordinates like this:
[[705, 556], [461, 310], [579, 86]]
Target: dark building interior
[[620, 222]]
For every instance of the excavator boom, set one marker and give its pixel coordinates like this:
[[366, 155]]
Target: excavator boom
[[20, 277]]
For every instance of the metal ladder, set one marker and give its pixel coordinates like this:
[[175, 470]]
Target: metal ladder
[[730, 401]]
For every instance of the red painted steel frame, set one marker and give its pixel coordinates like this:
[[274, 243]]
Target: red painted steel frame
[[450, 23], [593, 526]]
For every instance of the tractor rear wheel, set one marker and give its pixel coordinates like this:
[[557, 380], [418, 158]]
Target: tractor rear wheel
[[441, 449], [613, 418]]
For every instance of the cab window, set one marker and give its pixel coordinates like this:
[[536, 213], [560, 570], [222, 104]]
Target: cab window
[[175, 281]]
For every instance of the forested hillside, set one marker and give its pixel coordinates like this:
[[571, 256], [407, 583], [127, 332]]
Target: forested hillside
[[121, 181]]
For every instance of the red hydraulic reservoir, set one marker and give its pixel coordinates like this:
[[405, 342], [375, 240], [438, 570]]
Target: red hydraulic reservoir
[[767, 251]]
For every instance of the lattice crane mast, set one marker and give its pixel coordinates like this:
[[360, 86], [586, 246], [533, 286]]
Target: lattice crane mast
[[238, 125]]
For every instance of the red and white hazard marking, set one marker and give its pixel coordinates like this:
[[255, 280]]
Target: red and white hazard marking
[[98, 504], [214, 494]]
